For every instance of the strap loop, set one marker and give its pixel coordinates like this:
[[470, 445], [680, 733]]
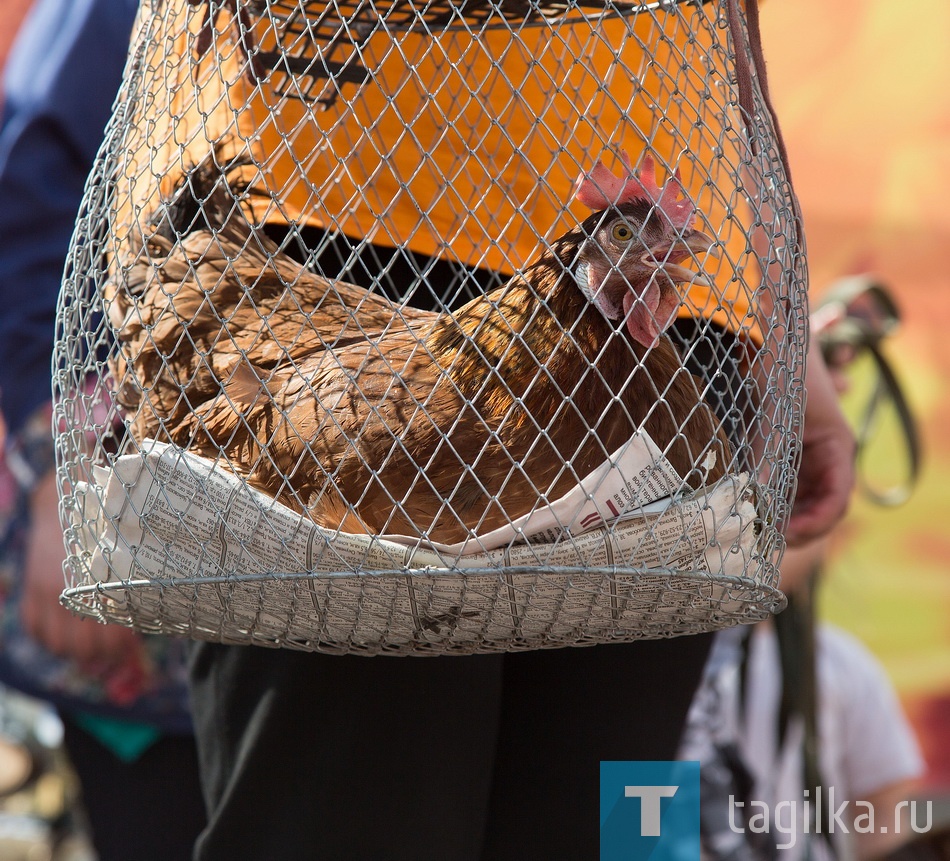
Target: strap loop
[[856, 315]]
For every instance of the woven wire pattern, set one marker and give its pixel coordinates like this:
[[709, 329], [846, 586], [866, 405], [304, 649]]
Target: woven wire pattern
[[212, 354]]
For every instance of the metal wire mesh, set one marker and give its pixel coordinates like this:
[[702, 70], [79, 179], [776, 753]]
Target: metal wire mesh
[[345, 364]]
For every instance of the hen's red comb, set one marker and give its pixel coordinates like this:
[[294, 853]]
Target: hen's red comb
[[601, 189]]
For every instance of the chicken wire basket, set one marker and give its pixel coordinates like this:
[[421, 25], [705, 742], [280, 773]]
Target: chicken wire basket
[[432, 328]]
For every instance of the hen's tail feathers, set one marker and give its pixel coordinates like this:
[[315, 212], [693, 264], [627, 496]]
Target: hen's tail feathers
[[175, 287]]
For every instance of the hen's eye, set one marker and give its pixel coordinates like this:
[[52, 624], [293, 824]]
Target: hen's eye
[[622, 232]]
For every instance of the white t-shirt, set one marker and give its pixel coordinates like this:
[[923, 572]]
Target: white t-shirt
[[865, 742]]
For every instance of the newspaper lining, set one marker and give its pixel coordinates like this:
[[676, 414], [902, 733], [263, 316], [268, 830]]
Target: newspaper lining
[[164, 516]]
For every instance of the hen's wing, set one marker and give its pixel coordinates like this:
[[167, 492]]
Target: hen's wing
[[358, 435]]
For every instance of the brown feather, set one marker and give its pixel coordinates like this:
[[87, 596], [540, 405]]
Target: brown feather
[[185, 311]]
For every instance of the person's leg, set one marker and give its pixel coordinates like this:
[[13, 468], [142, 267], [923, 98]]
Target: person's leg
[[563, 712], [309, 757], [150, 809]]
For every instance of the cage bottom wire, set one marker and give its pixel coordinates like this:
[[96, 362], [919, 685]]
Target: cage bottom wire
[[167, 542], [435, 612]]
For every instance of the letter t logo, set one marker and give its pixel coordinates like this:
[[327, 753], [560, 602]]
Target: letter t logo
[[650, 806]]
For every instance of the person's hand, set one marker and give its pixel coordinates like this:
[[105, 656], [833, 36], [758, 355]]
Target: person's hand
[[110, 652], [826, 476]]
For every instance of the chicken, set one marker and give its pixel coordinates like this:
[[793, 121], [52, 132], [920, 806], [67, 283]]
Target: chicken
[[384, 419]]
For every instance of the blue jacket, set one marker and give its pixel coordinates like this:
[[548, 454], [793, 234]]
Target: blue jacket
[[60, 83]]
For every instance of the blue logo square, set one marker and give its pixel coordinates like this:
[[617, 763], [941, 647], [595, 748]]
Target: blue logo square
[[649, 810]]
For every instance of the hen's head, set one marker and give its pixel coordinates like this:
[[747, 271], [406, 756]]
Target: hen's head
[[630, 262]]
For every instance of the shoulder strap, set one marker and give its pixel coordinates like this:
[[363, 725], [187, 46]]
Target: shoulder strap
[[888, 388]]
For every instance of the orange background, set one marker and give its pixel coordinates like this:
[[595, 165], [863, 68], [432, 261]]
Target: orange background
[[861, 90]]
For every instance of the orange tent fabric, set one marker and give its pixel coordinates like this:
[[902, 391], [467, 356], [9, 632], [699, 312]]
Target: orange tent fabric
[[465, 144]]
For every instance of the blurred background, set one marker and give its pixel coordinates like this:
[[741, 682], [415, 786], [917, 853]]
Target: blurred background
[[861, 90], [39, 819], [860, 87]]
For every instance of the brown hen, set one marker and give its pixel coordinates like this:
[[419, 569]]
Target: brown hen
[[381, 419]]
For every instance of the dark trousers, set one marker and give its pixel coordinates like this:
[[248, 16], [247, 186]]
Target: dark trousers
[[483, 758], [150, 809]]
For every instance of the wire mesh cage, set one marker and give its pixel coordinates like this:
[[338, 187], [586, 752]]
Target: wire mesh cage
[[432, 328]]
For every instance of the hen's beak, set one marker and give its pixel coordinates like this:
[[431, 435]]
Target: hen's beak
[[667, 256]]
